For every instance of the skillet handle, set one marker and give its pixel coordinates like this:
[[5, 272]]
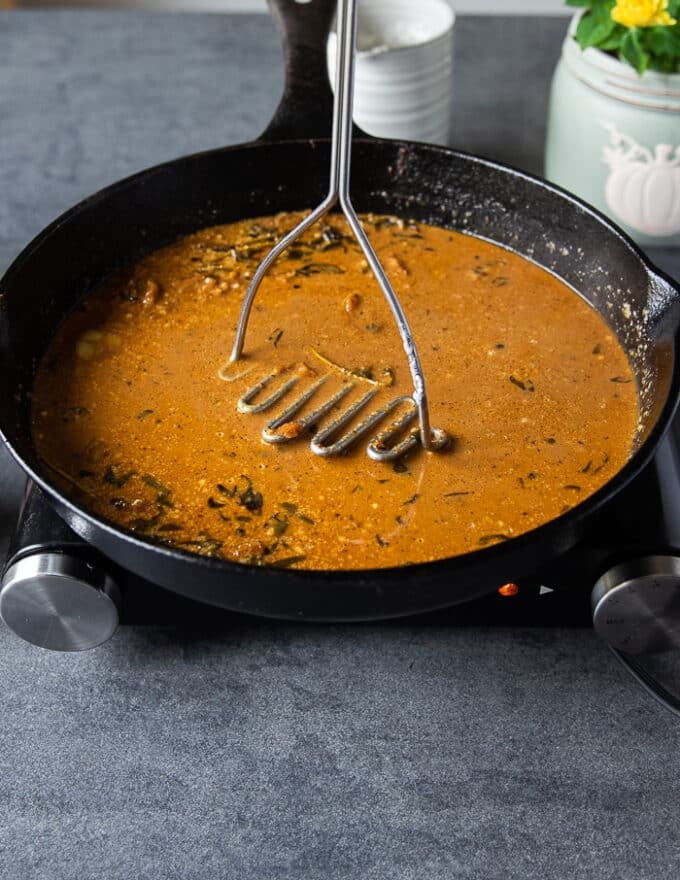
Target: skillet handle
[[664, 308], [306, 108]]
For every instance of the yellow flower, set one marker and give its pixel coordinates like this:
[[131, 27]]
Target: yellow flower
[[642, 13]]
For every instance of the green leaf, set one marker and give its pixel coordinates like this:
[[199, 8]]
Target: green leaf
[[663, 41], [613, 43], [594, 28], [632, 51]]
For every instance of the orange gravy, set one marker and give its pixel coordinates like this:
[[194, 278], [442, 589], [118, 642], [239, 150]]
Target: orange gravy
[[133, 417]]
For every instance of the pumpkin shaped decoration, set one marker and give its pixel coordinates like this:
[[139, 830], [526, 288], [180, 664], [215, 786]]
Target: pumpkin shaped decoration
[[643, 190]]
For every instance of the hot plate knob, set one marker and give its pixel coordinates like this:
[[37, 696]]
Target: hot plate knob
[[59, 602], [636, 605]]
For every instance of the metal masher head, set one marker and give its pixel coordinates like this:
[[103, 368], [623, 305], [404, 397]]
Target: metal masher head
[[334, 406], [329, 440]]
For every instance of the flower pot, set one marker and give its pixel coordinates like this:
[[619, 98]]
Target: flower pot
[[614, 140]]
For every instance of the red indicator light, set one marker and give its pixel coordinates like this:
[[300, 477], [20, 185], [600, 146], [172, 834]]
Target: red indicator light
[[508, 590]]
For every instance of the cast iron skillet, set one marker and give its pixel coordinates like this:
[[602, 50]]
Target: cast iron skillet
[[287, 169]]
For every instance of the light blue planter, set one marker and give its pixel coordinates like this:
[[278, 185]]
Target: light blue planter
[[614, 140]]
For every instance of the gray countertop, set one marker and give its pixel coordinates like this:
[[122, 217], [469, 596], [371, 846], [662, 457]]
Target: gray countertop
[[270, 750]]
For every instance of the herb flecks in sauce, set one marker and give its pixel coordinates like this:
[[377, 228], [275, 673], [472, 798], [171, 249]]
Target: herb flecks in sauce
[[133, 416], [524, 384]]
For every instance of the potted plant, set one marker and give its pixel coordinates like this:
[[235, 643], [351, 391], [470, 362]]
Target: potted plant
[[614, 114]]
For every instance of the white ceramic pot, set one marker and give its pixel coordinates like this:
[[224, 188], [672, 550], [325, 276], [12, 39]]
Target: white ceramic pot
[[614, 139], [404, 69]]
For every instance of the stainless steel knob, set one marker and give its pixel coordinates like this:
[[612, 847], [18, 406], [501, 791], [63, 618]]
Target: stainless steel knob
[[59, 602], [636, 605]]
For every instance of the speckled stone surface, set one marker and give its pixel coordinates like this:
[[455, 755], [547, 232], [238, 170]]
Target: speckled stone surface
[[274, 751], [263, 750]]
